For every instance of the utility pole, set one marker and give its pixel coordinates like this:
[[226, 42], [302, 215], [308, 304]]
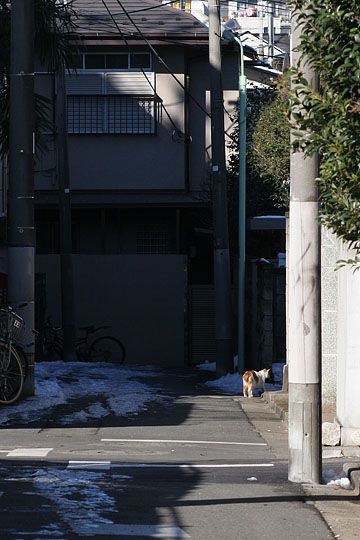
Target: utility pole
[[271, 33], [66, 267], [21, 229], [304, 304], [261, 30], [222, 280]]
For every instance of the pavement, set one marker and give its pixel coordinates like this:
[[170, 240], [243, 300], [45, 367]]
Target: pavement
[[342, 515], [196, 465]]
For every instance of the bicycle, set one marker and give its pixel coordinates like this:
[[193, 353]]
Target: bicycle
[[102, 349], [14, 336]]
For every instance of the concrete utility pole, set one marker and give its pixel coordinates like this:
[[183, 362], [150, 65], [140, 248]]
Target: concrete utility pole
[[21, 230], [304, 306], [66, 268], [271, 34], [222, 280]]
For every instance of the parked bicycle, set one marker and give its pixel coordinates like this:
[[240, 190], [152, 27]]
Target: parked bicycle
[[14, 337], [101, 349]]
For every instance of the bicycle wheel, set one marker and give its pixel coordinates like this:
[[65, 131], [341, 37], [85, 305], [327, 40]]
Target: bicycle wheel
[[107, 349], [11, 375]]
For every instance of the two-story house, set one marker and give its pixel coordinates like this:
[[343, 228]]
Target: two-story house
[[139, 149]]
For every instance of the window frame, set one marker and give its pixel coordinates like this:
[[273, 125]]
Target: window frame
[[103, 127], [128, 54]]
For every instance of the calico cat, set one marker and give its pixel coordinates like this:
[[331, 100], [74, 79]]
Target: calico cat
[[254, 379]]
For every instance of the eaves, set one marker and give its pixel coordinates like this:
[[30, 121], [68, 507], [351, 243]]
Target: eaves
[[112, 40]]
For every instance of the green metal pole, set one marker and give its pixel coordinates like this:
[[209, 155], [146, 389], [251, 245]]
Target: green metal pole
[[242, 208]]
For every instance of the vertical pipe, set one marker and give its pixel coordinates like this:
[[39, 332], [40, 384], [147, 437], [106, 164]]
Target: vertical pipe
[[222, 282], [66, 268], [21, 228]]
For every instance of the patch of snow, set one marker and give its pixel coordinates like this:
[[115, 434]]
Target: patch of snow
[[330, 478], [232, 383], [228, 384], [79, 496], [207, 366], [113, 389]]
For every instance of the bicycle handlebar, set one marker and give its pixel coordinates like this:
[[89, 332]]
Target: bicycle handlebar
[[102, 327], [92, 329]]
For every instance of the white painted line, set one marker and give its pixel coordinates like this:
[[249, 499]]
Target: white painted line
[[174, 441], [89, 465], [124, 529], [188, 465], [29, 452]]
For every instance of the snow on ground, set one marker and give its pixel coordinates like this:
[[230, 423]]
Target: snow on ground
[[330, 478], [90, 390], [109, 389], [232, 382], [80, 498]]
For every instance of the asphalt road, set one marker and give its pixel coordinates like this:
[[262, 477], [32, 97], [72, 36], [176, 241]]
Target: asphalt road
[[193, 467]]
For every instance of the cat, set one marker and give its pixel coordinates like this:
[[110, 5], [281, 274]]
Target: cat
[[255, 379]]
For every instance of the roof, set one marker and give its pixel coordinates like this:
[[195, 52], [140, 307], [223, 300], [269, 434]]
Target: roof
[[153, 19], [250, 39]]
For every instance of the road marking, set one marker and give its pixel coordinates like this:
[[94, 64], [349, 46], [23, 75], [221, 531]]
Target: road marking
[[29, 452], [189, 465], [124, 529], [174, 441], [89, 465]]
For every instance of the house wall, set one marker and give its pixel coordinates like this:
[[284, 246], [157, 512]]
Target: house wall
[[160, 161], [136, 162], [142, 297], [199, 123]]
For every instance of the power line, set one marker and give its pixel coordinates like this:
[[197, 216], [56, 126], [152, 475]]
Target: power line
[[143, 72], [156, 54], [160, 59], [154, 7]]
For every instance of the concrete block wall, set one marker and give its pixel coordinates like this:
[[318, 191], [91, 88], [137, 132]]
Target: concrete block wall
[[329, 314], [348, 343]]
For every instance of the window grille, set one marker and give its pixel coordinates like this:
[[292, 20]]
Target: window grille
[[119, 114], [121, 102], [153, 243]]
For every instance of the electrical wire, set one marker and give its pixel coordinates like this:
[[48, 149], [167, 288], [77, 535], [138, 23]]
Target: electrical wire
[[278, 4], [160, 59], [143, 72], [156, 54], [154, 7], [190, 95]]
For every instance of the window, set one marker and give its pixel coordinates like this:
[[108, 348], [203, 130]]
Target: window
[[116, 61], [111, 114], [112, 94], [153, 242]]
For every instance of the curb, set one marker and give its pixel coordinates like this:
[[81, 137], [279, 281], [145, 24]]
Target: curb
[[352, 471], [278, 403]]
